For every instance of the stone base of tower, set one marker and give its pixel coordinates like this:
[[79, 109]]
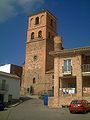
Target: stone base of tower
[[36, 90]]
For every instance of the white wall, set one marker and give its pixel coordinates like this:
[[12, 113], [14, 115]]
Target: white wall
[[5, 68], [13, 87]]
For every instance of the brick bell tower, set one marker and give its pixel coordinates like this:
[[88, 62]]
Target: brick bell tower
[[40, 34]]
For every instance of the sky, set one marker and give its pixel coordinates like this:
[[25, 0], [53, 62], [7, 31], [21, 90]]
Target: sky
[[73, 24]]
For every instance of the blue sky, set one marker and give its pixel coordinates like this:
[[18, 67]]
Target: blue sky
[[73, 23]]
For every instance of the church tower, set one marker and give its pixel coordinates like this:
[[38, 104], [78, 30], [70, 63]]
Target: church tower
[[40, 33]]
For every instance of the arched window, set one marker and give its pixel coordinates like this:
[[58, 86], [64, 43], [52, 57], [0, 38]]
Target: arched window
[[42, 19], [34, 80], [39, 34], [37, 20], [32, 35], [31, 22]]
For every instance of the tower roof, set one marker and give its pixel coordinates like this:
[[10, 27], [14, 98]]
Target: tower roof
[[42, 11]]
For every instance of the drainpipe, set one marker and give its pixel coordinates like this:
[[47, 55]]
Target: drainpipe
[[57, 47]]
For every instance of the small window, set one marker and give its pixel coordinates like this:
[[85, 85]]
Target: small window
[[39, 34], [4, 82], [67, 65], [31, 22], [42, 19], [34, 81], [49, 35], [52, 76], [52, 80], [59, 82], [35, 57], [32, 35], [37, 20], [51, 22], [9, 98]]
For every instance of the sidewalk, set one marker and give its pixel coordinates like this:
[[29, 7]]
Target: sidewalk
[[14, 104], [21, 100]]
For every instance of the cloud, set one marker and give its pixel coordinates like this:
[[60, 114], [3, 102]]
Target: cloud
[[29, 5], [11, 8], [7, 10]]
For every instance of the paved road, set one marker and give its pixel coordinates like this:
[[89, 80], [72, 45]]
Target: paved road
[[34, 109]]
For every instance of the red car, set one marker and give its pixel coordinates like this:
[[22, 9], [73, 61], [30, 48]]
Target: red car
[[79, 106]]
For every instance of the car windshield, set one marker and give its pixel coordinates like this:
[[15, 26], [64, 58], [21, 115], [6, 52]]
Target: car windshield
[[76, 102]]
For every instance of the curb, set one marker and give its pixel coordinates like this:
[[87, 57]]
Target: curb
[[14, 105]]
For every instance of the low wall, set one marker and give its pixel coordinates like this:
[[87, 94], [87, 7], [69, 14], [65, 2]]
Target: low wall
[[53, 102], [62, 101]]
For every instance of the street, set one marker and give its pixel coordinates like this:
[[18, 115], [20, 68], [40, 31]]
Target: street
[[33, 109]]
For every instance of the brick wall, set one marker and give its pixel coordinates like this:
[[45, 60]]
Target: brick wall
[[58, 102], [76, 71]]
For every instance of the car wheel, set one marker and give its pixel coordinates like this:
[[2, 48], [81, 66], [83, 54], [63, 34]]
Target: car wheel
[[85, 111], [71, 111]]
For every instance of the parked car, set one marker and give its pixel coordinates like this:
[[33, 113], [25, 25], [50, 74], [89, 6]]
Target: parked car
[[79, 106], [2, 106]]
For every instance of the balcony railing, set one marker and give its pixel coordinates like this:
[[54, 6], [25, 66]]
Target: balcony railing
[[86, 68], [3, 87]]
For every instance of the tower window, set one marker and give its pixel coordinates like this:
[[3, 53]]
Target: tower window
[[48, 34], [37, 20], [31, 22], [52, 76], [51, 22], [42, 19], [34, 80], [35, 57], [32, 35], [39, 34]]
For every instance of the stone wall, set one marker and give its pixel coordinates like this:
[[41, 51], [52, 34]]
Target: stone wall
[[62, 101]]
